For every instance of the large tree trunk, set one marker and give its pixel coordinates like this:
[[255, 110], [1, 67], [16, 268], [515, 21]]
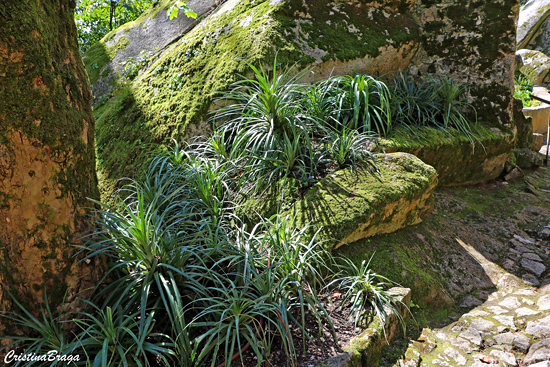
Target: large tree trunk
[[46, 154]]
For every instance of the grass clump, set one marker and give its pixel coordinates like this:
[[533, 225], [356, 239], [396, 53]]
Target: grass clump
[[186, 283]]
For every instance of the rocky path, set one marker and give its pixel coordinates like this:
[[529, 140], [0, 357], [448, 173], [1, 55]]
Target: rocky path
[[510, 328]]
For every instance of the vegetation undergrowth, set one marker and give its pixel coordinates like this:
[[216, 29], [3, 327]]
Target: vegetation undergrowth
[[188, 283], [522, 90]]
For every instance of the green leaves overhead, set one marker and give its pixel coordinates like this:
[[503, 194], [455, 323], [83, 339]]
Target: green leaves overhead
[[181, 4]]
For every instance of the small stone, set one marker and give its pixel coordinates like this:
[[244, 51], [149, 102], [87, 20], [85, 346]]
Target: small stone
[[476, 313], [527, 301], [527, 241], [525, 292], [505, 320], [543, 303], [505, 338], [534, 267], [483, 325], [463, 345], [522, 249], [497, 310], [514, 174], [472, 335], [539, 328], [456, 356], [541, 364], [509, 264], [521, 342], [505, 357], [532, 256], [539, 352], [510, 302], [530, 279], [544, 233], [524, 311], [439, 363]]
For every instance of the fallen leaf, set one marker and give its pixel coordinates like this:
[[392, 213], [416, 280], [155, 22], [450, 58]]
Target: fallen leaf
[[488, 359]]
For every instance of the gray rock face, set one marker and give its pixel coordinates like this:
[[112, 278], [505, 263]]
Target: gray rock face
[[145, 37], [532, 22], [534, 267]]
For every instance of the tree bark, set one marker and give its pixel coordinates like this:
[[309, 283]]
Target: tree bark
[[47, 163]]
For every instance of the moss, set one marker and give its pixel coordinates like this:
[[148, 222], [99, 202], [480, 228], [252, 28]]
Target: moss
[[402, 258], [178, 89], [95, 61], [456, 159], [48, 99], [362, 30], [340, 204]]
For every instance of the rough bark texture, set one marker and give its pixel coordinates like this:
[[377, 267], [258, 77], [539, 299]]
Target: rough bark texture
[[46, 154]]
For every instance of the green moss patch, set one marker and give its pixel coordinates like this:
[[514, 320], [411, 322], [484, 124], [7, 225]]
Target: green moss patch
[[457, 160], [346, 206]]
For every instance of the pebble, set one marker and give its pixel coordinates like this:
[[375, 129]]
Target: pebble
[[456, 356], [530, 279], [532, 256], [521, 343], [543, 303], [505, 357], [527, 241], [476, 313], [505, 320], [483, 325], [472, 335], [463, 345], [497, 310]]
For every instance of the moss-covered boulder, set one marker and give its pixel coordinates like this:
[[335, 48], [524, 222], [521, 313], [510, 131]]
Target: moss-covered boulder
[[534, 65], [173, 95], [350, 205], [132, 47], [457, 160], [475, 42]]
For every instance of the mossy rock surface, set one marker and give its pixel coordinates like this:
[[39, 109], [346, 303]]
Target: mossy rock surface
[[457, 160], [173, 96], [350, 205], [174, 93]]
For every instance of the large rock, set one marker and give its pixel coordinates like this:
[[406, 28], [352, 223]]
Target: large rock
[[457, 160], [173, 95], [533, 26], [534, 65], [474, 42], [347, 206], [138, 42]]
